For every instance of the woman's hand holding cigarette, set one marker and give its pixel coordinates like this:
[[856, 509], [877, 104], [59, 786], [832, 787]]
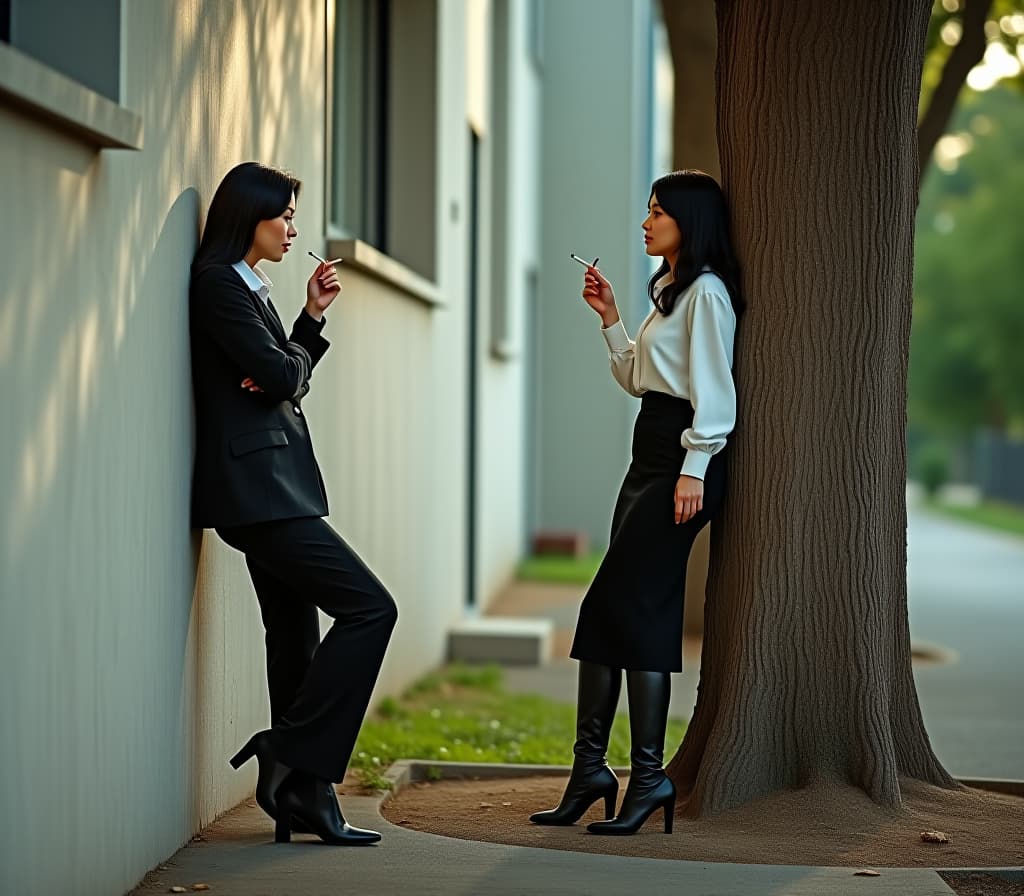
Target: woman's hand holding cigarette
[[599, 295], [322, 289]]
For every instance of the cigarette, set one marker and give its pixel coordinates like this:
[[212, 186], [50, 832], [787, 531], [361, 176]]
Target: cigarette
[[318, 258], [586, 264]]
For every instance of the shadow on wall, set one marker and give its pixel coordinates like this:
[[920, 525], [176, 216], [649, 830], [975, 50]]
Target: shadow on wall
[[101, 549]]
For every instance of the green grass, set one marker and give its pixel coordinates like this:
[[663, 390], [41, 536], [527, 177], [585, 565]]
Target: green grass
[[561, 569], [993, 514], [462, 714]]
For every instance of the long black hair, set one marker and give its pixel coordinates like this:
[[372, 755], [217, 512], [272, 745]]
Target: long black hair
[[696, 203], [249, 193]]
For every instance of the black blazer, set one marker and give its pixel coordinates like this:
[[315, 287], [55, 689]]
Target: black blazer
[[254, 459]]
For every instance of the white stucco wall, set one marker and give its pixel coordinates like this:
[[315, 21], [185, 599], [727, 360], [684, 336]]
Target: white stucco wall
[[131, 645]]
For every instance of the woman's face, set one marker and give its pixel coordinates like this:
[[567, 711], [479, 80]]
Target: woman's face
[[661, 233], [273, 236]]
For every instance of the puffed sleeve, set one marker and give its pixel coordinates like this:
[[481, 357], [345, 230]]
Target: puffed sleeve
[[622, 354], [712, 327]]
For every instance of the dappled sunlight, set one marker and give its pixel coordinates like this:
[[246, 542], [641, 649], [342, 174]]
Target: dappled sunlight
[[87, 249], [999, 63], [88, 362], [39, 454]]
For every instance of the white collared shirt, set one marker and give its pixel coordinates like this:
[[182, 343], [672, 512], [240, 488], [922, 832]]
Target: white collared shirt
[[255, 279], [689, 354]]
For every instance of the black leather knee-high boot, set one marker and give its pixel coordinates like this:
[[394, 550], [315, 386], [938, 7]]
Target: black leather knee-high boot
[[591, 779], [649, 788]]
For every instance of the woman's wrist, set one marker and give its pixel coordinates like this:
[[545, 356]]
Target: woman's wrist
[[314, 312], [610, 318]]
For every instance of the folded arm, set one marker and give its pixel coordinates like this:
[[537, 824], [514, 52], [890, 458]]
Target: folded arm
[[225, 311]]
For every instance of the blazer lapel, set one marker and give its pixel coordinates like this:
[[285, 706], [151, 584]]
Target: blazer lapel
[[278, 325], [269, 314]]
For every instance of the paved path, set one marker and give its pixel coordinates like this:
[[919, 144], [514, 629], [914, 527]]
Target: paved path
[[967, 595], [238, 858]]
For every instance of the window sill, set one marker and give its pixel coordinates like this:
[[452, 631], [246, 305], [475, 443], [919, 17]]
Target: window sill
[[47, 95], [364, 257]]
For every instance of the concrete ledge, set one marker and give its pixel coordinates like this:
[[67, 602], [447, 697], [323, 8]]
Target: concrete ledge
[[513, 642], [364, 257], [43, 93]]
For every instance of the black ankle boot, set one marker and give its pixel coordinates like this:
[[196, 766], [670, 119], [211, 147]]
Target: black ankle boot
[[272, 773], [649, 788], [312, 802], [591, 779]]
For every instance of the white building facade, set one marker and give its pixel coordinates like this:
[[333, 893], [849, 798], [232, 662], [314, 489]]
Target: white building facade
[[431, 137]]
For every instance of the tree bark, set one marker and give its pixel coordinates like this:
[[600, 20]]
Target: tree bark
[[962, 58], [805, 674], [692, 40]]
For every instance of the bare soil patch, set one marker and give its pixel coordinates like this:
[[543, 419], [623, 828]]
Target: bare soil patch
[[829, 825]]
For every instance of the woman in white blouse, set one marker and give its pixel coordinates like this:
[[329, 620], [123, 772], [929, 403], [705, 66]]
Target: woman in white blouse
[[632, 616]]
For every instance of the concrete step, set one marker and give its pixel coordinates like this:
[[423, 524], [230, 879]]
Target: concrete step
[[511, 642]]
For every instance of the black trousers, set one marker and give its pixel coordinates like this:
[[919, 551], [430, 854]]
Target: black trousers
[[319, 691]]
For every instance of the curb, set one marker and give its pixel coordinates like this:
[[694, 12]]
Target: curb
[[404, 772]]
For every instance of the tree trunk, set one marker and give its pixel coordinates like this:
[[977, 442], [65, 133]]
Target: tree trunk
[[962, 58], [692, 39], [806, 675]]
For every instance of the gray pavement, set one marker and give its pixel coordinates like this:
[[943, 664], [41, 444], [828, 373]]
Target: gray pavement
[[965, 596], [237, 858]]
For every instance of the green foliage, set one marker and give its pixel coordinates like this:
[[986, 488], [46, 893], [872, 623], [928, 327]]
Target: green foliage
[[462, 714], [966, 362], [937, 50], [932, 467], [565, 570]]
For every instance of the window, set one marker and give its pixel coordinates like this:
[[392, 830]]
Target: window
[[383, 155], [79, 40], [60, 63]]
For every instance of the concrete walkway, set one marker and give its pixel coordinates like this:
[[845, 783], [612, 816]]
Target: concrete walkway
[[238, 858], [965, 595]]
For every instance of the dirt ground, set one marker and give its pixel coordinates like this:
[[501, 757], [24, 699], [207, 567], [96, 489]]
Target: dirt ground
[[975, 883], [830, 826]]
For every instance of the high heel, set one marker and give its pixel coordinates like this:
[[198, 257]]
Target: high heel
[[637, 808], [591, 779], [581, 793], [272, 773], [649, 788], [303, 799], [283, 828]]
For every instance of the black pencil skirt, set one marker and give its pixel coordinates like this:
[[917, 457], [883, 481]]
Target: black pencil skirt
[[632, 614]]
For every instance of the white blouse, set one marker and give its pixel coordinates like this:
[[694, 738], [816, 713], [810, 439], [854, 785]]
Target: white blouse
[[688, 354]]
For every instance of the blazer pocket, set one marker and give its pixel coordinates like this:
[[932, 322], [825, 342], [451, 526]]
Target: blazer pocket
[[254, 441]]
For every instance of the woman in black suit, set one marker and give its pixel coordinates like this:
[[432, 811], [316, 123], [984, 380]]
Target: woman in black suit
[[257, 483], [631, 619]]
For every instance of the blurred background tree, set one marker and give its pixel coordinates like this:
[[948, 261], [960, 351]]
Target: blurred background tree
[[967, 344], [961, 35]]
